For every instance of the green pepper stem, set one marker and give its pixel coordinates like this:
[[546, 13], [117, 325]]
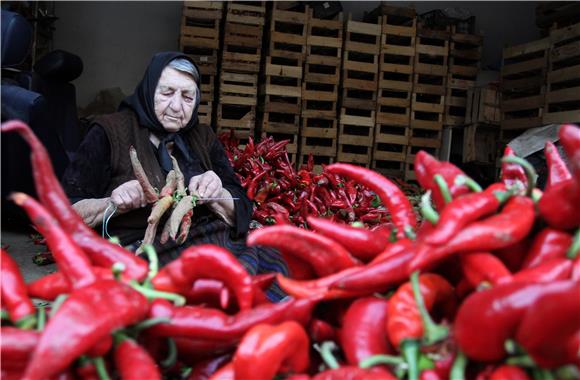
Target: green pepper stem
[[177, 299], [469, 182], [26, 323], [410, 351], [522, 361], [433, 333], [118, 269], [171, 358], [101, 368], [41, 318], [443, 187], [57, 304], [326, 353], [119, 337], [357, 224], [458, 367], [153, 261], [427, 209], [4, 314], [502, 196], [528, 169], [409, 233], [148, 323], [374, 360], [574, 249]]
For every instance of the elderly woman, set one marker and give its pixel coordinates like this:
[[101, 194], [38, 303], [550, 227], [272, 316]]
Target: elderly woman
[[159, 120]]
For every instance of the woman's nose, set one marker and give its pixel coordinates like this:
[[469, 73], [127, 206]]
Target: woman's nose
[[175, 102]]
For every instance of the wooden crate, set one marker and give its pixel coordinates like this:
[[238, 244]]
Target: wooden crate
[[410, 159], [483, 105], [557, 13], [480, 143], [243, 31], [200, 24], [318, 137], [390, 149], [287, 34], [523, 78], [563, 78]]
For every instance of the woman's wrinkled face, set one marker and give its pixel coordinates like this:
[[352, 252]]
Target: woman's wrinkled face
[[175, 99]]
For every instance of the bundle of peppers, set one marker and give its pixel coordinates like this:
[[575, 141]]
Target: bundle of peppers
[[485, 286]]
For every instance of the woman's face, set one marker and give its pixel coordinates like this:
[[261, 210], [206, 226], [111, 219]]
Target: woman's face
[[175, 99]]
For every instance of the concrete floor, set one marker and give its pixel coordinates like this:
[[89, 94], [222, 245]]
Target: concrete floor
[[21, 247]]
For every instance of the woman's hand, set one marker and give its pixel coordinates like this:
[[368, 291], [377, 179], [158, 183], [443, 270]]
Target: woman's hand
[[128, 196], [206, 185]]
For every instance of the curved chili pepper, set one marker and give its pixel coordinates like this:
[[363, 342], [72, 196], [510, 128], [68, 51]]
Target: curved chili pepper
[[363, 331], [361, 243], [70, 259], [320, 331], [391, 196], [252, 187], [510, 372], [570, 139], [557, 170], [427, 167], [548, 325], [204, 323], [16, 346], [212, 261], [325, 255], [379, 276], [88, 314], [511, 174], [483, 267], [318, 288], [266, 350], [203, 370], [514, 254], [464, 210], [560, 206], [50, 192], [548, 244], [14, 294], [551, 270], [133, 362], [355, 373], [486, 319], [511, 225]]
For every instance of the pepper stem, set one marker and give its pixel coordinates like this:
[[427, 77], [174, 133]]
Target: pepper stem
[[4, 314], [410, 351], [148, 323], [502, 196], [153, 261], [117, 269], [409, 233], [574, 249], [443, 188], [432, 332], [41, 318], [469, 182], [177, 299], [26, 323], [101, 368], [57, 304], [171, 358], [522, 361], [458, 367], [528, 168], [374, 360], [427, 209], [326, 353]]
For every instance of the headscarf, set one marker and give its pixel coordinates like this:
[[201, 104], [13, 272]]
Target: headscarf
[[142, 103]]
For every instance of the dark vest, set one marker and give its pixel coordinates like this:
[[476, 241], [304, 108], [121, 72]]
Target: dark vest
[[123, 131]]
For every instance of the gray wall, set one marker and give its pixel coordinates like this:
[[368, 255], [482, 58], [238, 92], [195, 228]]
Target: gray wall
[[117, 39]]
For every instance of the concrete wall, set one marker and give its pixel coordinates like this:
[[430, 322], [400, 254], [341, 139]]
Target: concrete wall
[[117, 39]]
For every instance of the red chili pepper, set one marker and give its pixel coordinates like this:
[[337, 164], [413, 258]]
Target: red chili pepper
[[53, 197], [511, 174], [205, 369], [505, 372], [560, 205], [483, 267], [251, 192], [464, 210], [557, 170], [267, 350], [570, 140], [14, 294], [70, 259], [203, 323], [514, 254], [16, 346], [427, 167], [379, 276], [355, 373], [511, 225], [361, 243], [391, 196], [319, 288], [486, 319], [320, 331], [548, 244], [325, 255], [548, 325], [552, 270], [133, 362], [89, 314], [363, 331]]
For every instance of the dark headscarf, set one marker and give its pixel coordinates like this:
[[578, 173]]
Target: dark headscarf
[[142, 103]]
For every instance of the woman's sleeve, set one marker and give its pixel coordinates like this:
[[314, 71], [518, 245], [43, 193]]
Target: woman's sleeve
[[89, 172], [223, 168]]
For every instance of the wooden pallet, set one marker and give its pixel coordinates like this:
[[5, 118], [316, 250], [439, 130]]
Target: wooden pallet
[[483, 105], [480, 143], [523, 78], [243, 31], [563, 78]]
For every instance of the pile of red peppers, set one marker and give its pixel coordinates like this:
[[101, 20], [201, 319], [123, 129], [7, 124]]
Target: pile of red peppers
[[484, 284]]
